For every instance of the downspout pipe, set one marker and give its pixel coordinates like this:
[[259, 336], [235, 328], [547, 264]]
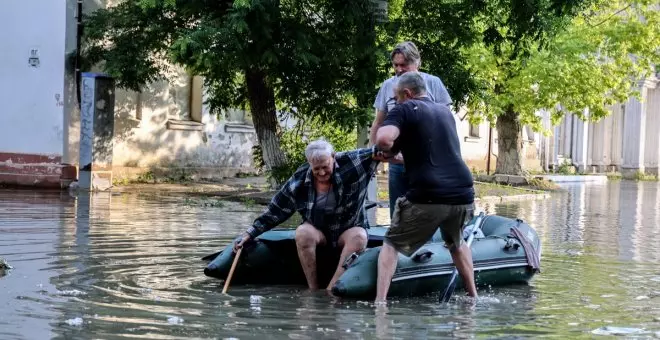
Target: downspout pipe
[[79, 32], [490, 147]]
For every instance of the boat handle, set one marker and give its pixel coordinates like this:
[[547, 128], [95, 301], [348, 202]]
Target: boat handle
[[511, 243], [423, 256], [349, 260]]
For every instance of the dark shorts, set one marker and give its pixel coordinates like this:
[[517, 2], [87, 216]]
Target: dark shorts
[[413, 224], [332, 237]]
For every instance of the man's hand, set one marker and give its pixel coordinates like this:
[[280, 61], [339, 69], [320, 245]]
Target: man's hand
[[238, 244], [398, 159]]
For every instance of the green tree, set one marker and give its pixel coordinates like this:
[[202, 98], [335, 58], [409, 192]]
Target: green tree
[[305, 57], [441, 29], [588, 61], [294, 141]]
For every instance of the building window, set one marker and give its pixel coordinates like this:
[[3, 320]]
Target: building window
[[474, 131], [238, 117]]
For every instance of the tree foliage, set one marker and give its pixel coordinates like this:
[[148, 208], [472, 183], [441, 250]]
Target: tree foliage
[[323, 60], [305, 57], [596, 60], [441, 29], [294, 141]]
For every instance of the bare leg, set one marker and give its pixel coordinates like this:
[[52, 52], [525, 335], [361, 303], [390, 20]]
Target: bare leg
[[387, 261], [307, 238], [350, 241], [463, 260]]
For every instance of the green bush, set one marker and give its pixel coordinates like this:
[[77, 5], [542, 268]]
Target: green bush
[[295, 140]]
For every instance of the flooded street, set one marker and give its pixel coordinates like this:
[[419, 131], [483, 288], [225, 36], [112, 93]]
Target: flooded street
[[129, 266]]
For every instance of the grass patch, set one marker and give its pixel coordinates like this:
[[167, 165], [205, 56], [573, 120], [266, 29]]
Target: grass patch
[[641, 176], [541, 184], [491, 189], [174, 176], [613, 176], [203, 202], [248, 202], [383, 194]]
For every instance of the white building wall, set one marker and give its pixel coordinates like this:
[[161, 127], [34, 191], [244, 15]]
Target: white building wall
[[634, 134], [652, 147], [31, 113], [628, 140]]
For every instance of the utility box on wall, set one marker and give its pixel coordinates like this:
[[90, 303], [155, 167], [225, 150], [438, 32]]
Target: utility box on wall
[[97, 114]]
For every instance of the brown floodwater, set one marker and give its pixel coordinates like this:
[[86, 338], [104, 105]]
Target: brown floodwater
[[115, 266]]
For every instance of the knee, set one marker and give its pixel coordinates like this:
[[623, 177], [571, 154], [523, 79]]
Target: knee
[[361, 239], [306, 235], [357, 239]]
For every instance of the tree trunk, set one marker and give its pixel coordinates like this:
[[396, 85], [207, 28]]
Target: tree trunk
[[509, 144], [264, 115]]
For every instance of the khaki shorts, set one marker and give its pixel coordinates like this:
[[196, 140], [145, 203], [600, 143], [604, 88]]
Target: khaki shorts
[[413, 224]]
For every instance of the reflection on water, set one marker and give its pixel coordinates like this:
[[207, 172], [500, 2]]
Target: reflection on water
[[128, 266]]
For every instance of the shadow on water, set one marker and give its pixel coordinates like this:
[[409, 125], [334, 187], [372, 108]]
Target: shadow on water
[[127, 266]]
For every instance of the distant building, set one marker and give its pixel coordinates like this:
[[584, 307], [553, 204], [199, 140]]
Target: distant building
[[627, 141]]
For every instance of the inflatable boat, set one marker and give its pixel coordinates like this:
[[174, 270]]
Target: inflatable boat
[[504, 251]]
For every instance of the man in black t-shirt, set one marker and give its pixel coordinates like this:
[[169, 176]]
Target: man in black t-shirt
[[441, 187]]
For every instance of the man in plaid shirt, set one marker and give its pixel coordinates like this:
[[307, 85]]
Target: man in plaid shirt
[[328, 191]]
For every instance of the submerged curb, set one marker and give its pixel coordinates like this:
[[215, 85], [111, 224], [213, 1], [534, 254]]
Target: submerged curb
[[260, 198], [512, 198]]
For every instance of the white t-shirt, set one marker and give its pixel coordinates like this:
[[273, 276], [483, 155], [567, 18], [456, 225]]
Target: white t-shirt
[[435, 89]]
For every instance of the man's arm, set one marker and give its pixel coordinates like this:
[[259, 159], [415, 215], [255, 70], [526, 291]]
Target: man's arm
[[380, 104], [386, 136], [280, 208], [378, 121], [391, 128]]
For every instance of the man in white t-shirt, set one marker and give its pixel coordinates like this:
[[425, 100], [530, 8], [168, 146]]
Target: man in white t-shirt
[[405, 57]]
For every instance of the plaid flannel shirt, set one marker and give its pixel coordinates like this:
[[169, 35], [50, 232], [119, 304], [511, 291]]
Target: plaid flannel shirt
[[352, 172]]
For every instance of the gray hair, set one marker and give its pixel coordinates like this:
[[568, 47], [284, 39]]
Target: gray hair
[[318, 149], [409, 52], [412, 81]]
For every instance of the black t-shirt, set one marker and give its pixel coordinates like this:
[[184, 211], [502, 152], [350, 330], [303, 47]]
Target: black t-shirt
[[431, 152]]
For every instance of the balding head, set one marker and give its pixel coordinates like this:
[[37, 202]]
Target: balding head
[[410, 85]]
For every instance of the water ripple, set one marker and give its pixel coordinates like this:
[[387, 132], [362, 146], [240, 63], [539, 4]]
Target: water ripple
[[128, 266]]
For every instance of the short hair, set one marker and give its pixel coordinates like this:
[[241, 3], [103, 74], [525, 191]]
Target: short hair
[[318, 149], [412, 81], [409, 51]]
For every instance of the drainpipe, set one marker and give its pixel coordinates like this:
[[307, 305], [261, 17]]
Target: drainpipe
[[490, 147], [79, 32]]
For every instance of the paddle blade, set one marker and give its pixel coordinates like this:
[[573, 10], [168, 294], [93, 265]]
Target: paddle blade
[[450, 288]]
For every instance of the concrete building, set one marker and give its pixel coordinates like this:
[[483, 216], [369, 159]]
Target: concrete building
[[32, 92], [164, 128], [474, 145], [627, 141]]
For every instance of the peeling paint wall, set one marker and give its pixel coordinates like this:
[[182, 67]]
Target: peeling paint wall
[[31, 70], [165, 133], [164, 126], [167, 126]]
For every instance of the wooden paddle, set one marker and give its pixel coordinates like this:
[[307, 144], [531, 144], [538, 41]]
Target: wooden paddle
[[231, 271]]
